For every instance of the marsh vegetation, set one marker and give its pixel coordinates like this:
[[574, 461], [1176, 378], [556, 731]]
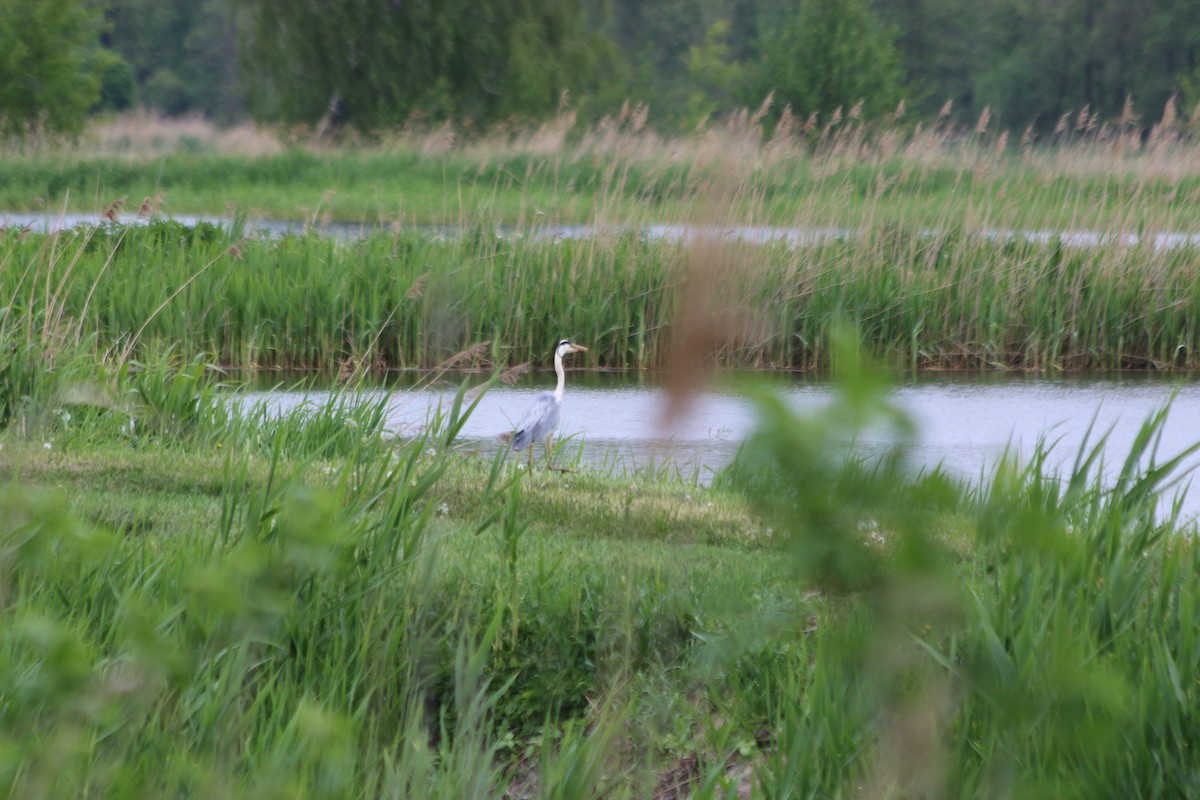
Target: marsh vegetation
[[202, 598], [310, 608]]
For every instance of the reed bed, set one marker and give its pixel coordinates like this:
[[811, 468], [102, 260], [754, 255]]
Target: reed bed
[[951, 249], [952, 299], [837, 172]]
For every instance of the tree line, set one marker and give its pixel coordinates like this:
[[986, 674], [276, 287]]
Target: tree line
[[372, 64]]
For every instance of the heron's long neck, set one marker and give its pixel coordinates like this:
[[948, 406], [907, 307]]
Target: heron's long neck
[[562, 378]]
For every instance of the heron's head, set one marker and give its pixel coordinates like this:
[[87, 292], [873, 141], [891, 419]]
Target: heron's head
[[566, 347]]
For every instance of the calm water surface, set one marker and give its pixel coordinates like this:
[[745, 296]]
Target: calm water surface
[[963, 424], [753, 234]]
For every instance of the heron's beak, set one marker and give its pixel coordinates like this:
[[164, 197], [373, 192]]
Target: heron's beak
[[577, 348]]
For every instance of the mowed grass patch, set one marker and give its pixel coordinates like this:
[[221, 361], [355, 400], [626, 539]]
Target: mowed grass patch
[[149, 492], [179, 489], [592, 505]]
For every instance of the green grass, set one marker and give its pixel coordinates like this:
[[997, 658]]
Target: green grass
[[199, 599], [384, 189], [851, 175], [950, 300], [321, 611], [187, 525], [364, 188], [923, 269]]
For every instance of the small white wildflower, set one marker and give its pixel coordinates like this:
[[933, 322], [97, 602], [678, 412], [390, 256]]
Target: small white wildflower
[[431, 452], [46, 446], [687, 498], [444, 509]]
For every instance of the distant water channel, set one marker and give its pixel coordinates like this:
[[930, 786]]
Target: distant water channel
[[751, 234], [964, 424]]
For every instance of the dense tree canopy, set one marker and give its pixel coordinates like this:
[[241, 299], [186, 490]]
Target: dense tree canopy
[[1031, 62], [379, 63], [183, 55], [50, 64], [832, 54]]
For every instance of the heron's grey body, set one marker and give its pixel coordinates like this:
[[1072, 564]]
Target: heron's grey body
[[541, 420]]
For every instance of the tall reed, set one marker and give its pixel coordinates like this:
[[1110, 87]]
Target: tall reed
[[924, 299]]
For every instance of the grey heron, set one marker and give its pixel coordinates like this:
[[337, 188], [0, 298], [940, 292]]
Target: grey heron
[[541, 420]]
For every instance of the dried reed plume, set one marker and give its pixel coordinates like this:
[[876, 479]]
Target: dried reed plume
[[765, 107], [417, 288], [1128, 118], [509, 376], [110, 213], [469, 355], [984, 118], [783, 128]]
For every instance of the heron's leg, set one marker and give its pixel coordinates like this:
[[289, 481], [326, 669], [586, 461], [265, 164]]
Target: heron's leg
[[549, 451], [530, 470]]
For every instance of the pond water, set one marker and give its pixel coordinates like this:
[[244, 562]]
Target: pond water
[[964, 424]]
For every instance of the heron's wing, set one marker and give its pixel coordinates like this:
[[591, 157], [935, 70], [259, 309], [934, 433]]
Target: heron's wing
[[541, 418]]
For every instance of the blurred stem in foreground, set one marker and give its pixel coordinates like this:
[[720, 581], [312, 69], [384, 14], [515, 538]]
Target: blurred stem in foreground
[[857, 526], [1013, 664]]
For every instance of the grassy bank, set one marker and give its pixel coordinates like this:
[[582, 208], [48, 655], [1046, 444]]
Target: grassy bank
[[954, 299], [847, 174], [949, 254], [197, 603]]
